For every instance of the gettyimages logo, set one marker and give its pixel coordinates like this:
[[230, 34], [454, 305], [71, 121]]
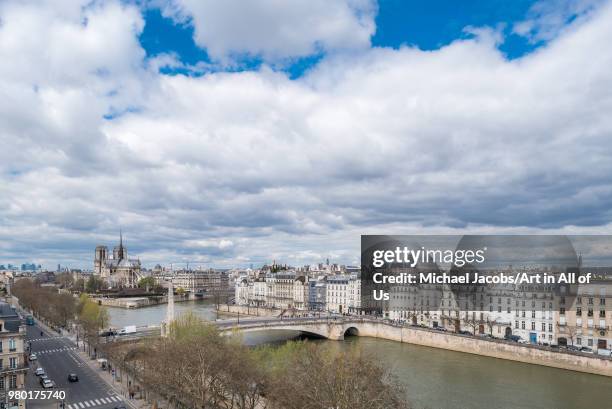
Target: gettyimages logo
[[411, 257]]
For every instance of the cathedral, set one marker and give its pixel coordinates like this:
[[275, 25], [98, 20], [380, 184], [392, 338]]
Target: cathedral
[[117, 270]]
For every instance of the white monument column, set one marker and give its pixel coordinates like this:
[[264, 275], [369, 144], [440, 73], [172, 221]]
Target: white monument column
[[165, 330]]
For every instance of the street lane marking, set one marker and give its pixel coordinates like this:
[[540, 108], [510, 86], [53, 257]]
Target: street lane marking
[[50, 351], [94, 402]]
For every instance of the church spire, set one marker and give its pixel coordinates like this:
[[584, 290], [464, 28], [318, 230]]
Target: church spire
[[121, 249]]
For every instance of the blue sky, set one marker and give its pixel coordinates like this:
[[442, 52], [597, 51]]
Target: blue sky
[[428, 25], [230, 133]]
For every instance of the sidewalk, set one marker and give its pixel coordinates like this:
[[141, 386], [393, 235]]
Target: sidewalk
[[120, 388]]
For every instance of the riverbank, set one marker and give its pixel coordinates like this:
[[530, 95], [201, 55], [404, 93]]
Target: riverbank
[[236, 310], [137, 302], [501, 349]]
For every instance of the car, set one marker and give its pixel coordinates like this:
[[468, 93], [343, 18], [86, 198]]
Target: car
[[513, 338], [39, 371], [47, 383], [573, 348], [73, 377], [120, 407], [33, 357], [586, 350], [522, 341], [465, 333]]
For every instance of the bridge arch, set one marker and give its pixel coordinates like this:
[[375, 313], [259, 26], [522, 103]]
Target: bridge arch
[[351, 332]]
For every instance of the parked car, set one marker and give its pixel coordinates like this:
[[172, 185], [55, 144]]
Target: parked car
[[465, 333], [39, 371], [513, 338], [522, 341], [573, 348], [604, 352], [47, 383], [130, 329], [33, 357], [586, 350], [72, 377]]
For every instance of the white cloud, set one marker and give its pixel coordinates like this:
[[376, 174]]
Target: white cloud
[[547, 18], [275, 29], [252, 166]]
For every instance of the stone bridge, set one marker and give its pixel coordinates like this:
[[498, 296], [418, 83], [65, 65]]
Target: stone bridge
[[335, 329]]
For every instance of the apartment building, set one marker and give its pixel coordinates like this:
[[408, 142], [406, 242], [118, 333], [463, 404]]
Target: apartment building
[[13, 365], [201, 281]]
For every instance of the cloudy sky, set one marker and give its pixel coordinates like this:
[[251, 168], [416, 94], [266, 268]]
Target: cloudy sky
[[229, 133]]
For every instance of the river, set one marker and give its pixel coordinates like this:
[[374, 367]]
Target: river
[[436, 378]]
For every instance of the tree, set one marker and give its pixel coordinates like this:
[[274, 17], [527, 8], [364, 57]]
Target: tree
[[79, 284], [147, 283], [197, 367], [94, 284], [65, 306], [65, 280], [490, 324], [92, 318], [320, 376], [570, 331]]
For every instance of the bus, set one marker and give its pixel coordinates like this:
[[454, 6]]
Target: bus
[[29, 320]]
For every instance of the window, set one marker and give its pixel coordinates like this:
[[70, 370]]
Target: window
[[549, 327], [1, 382], [13, 382], [562, 311], [602, 313], [533, 325], [602, 301], [579, 311], [523, 324], [533, 314], [515, 325], [12, 344], [12, 363], [543, 327], [578, 341], [590, 342]]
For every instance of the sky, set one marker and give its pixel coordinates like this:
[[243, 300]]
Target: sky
[[234, 133]]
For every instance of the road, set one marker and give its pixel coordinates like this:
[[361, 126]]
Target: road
[[58, 357]]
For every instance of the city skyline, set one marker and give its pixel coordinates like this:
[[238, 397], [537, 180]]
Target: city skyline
[[221, 146]]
